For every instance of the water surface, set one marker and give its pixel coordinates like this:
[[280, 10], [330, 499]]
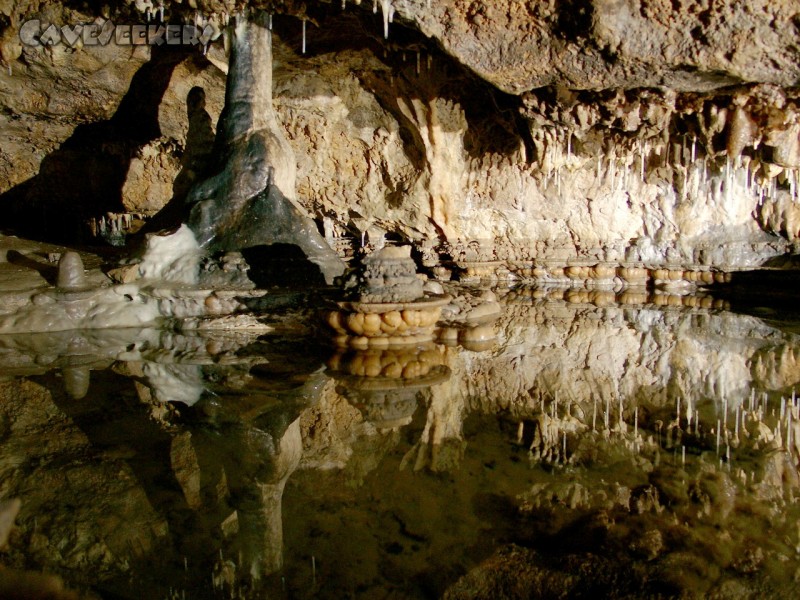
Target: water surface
[[623, 450]]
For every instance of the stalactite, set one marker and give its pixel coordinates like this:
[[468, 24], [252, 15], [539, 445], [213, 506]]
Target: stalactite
[[641, 167], [388, 15], [569, 146]]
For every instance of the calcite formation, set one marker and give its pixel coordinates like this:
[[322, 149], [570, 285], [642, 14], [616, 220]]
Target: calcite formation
[[388, 275], [246, 202], [388, 304]]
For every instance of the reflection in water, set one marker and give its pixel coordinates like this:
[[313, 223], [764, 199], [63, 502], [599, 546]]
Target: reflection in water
[[650, 450], [384, 384]]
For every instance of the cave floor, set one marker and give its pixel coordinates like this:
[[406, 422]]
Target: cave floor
[[27, 264]]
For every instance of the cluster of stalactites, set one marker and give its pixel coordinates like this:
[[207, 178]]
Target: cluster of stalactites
[[114, 223], [760, 175], [214, 25], [748, 143]]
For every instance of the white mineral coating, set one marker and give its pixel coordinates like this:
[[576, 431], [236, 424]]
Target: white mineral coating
[[780, 215], [558, 198], [173, 258], [688, 215], [94, 309]]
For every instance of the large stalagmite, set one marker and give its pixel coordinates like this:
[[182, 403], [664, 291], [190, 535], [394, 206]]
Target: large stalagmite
[[249, 200]]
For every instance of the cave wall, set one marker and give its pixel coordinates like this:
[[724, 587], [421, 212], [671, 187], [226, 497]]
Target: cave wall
[[527, 133]]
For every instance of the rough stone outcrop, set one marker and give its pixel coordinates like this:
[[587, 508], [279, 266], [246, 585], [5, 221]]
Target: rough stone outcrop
[[603, 44]]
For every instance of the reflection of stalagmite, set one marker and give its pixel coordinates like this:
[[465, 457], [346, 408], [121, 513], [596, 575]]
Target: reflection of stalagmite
[[384, 384], [441, 445], [253, 458], [260, 511], [175, 383], [77, 381]]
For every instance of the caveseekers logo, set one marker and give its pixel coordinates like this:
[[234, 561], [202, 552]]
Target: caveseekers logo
[[35, 33]]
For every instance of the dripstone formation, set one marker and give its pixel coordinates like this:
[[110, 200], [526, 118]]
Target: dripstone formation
[[388, 275]]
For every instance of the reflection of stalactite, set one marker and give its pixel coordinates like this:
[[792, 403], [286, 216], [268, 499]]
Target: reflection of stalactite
[[551, 432]]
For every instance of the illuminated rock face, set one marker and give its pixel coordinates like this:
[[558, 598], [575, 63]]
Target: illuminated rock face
[[539, 133]]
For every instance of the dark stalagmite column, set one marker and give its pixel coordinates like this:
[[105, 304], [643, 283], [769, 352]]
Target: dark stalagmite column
[[248, 201]]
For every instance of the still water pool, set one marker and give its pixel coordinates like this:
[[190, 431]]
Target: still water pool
[[627, 450]]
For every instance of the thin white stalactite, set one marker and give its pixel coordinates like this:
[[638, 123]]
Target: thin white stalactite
[[388, 16], [641, 166]]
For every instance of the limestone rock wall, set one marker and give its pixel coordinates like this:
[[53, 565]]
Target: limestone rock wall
[[506, 132]]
